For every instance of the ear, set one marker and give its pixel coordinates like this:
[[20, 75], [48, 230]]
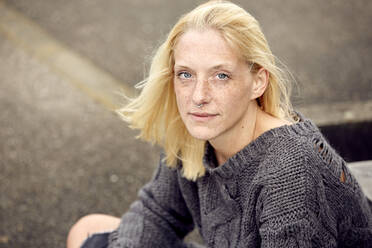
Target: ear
[[260, 82]]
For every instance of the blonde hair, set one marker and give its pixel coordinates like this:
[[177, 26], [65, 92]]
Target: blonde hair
[[154, 112]]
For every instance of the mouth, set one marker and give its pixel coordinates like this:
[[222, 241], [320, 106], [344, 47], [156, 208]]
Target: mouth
[[201, 116]]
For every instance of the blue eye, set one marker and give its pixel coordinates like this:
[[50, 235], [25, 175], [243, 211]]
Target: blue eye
[[184, 75], [222, 76]]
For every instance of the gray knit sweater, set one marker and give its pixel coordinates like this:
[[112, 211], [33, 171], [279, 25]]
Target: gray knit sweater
[[288, 188]]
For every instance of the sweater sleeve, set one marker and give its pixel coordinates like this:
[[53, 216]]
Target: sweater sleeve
[[291, 214], [159, 218]]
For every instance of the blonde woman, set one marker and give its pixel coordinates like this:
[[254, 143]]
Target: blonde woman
[[239, 164]]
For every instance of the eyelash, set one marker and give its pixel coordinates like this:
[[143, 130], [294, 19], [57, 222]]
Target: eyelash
[[179, 75], [226, 76]]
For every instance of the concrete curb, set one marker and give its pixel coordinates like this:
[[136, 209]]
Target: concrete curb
[[338, 113], [82, 73], [363, 172], [362, 164]]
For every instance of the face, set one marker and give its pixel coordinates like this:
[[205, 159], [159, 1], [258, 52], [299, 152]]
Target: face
[[214, 87]]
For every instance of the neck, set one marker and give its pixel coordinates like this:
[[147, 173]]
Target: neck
[[230, 143]]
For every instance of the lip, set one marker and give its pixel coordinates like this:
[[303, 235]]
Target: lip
[[202, 116]]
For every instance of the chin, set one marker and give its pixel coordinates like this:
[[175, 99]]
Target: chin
[[202, 133]]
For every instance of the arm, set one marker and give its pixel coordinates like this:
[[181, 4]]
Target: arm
[[159, 218], [294, 208]]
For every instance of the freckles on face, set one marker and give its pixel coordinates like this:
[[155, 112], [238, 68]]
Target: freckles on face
[[209, 74]]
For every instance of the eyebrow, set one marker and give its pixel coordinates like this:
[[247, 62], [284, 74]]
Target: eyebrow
[[216, 67]]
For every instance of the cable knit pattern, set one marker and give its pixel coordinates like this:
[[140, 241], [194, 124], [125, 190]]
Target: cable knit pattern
[[288, 188]]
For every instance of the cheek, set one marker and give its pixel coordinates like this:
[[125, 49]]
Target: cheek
[[181, 99], [234, 102]]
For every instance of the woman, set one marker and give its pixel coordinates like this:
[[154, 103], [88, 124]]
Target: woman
[[239, 164]]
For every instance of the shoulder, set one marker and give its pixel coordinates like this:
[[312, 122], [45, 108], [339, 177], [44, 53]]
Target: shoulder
[[294, 161], [300, 160], [287, 160], [294, 147], [286, 176]]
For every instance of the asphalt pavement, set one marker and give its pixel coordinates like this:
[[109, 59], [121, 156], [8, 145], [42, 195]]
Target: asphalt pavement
[[65, 154], [326, 44], [62, 154]]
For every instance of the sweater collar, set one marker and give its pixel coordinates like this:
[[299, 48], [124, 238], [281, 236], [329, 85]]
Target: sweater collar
[[254, 149]]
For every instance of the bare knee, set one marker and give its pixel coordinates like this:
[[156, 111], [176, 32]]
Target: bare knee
[[90, 224], [80, 231], [82, 225]]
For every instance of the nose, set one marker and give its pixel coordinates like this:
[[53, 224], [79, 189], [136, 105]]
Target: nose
[[201, 92]]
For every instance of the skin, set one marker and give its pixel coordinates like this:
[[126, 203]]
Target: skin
[[208, 71], [94, 223]]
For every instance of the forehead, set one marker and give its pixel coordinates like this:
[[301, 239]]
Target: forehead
[[205, 47]]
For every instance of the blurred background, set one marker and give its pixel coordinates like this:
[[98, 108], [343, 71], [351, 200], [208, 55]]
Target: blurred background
[[65, 154]]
